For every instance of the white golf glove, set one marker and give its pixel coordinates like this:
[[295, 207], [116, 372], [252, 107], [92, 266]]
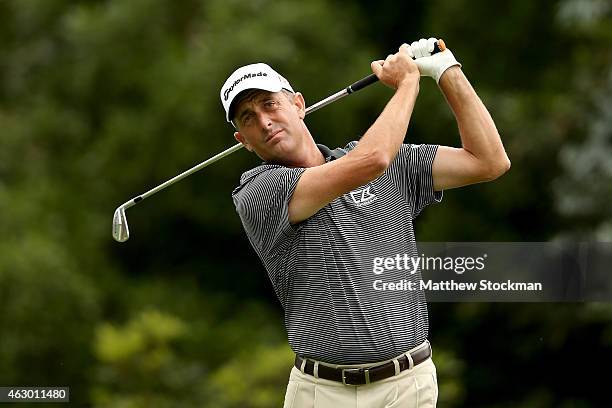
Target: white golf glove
[[431, 65]]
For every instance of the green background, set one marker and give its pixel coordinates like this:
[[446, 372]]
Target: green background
[[103, 100]]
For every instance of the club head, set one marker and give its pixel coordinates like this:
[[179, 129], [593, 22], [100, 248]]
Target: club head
[[121, 232]]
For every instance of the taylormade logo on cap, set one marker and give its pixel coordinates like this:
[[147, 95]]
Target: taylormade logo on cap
[[253, 76], [236, 82]]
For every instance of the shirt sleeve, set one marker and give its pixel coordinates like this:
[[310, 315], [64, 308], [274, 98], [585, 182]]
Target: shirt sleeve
[[262, 202], [414, 165]]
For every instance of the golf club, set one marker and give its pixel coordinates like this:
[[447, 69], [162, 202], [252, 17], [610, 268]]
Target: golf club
[[121, 230]]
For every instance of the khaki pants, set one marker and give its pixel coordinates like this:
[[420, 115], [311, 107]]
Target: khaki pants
[[414, 388]]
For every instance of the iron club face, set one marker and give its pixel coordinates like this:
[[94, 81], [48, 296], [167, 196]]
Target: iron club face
[[121, 232]]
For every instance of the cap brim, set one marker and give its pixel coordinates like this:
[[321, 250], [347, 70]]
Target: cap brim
[[262, 85]]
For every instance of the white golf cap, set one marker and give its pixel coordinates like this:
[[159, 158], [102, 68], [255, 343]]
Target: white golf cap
[[253, 76]]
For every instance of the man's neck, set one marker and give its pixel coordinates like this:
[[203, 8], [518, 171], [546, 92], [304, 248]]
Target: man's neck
[[313, 156]]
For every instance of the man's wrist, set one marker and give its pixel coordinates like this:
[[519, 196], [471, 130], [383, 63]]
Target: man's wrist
[[449, 75], [411, 82]]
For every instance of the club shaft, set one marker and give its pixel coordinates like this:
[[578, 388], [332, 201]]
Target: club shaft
[[354, 87], [192, 170], [238, 146], [327, 101]]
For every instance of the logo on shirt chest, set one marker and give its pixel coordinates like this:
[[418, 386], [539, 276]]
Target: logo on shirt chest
[[363, 196]]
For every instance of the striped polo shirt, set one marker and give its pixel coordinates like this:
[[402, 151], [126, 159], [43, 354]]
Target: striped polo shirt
[[322, 268]]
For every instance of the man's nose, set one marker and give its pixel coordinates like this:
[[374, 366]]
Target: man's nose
[[264, 120]]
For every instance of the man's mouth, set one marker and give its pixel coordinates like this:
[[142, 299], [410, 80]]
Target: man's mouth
[[271, 135]]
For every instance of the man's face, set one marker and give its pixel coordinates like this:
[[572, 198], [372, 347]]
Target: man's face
[[270, 124]]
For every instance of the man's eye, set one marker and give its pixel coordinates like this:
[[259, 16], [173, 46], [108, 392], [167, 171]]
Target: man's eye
[[269, 103]]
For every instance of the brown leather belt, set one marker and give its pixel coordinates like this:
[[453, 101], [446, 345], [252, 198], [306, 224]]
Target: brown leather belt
[[361, 376]]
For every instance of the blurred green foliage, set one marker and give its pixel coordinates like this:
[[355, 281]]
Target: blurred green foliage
[[104, 99]]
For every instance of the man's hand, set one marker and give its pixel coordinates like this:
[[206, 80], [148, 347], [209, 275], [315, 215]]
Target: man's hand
[[431, 65], [397, 68]]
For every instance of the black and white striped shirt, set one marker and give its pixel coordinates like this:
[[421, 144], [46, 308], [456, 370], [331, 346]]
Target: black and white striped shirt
[[322, 268]]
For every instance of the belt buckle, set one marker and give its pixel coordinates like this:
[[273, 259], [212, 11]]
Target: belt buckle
[[355, 370]]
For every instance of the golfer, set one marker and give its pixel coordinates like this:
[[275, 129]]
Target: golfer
[[318, 218]]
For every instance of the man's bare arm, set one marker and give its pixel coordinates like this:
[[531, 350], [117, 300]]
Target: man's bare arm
[[320, 185], [482, 156]]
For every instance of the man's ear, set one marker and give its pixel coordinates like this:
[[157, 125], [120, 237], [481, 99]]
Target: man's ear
[[298, 100], [242, 140]]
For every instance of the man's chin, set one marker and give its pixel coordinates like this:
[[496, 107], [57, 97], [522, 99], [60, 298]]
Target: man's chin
[[281, 151]]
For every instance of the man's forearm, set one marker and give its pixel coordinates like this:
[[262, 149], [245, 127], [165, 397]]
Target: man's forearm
[[387, 133], [479, 136]]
